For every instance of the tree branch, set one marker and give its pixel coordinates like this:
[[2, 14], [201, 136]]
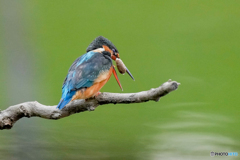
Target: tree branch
[[34, 109]]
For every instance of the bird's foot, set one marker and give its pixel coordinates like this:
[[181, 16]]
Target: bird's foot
[[97, 94], [93, 96]]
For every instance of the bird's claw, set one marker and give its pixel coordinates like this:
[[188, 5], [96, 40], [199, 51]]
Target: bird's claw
[[97, 94]]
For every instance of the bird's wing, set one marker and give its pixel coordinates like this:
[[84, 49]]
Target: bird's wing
[[75, 64], [85, 70], [82, 74], [88, 71]]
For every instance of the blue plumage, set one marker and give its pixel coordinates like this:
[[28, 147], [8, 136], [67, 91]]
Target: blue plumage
[[64, 101], [86, 69], [85, 57], [82, 74]]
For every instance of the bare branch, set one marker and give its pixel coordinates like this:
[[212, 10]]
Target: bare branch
[[34, 109]]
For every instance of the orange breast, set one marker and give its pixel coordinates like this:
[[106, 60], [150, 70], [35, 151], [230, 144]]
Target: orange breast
[[95, 88]]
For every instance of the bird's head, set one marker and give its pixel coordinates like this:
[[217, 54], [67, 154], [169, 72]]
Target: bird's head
[[104, 44]]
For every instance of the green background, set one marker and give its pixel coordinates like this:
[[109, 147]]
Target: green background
[[193, 42]]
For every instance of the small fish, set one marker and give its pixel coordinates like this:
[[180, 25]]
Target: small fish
[[120, 66]]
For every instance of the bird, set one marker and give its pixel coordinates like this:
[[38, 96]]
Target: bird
[[90, 72]]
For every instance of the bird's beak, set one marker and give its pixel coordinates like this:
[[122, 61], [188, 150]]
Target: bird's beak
[[116, 76]]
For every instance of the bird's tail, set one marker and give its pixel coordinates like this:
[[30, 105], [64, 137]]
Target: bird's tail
[[64, 101]]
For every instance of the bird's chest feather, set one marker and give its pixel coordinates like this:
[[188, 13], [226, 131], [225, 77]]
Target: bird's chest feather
[[94, 89], [104, 75]]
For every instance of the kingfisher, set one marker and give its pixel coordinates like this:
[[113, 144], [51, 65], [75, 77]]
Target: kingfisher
[[90, 72]]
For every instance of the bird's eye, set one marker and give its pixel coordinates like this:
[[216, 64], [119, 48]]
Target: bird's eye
[[114, 51]]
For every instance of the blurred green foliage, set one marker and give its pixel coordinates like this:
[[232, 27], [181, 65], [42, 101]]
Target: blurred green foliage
[[193, 42]]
